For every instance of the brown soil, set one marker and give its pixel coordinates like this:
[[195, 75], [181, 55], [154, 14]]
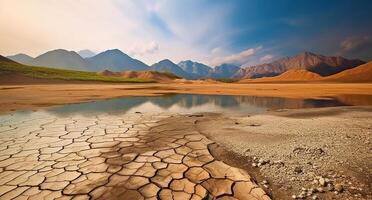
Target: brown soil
[[152, 75]]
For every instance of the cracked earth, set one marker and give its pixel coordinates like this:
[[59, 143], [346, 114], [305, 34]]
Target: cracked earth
[[137, 156]]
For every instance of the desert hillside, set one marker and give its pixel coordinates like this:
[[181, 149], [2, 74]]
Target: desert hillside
[[288, 76], [362, 73], [151, 75]]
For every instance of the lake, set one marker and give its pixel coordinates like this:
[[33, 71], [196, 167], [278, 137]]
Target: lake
[[190, 103]]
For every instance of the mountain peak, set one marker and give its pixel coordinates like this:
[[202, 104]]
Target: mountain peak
[[21, 58], [166, 61], [308, 53], [86, 53], [60, 58], [115, 60]]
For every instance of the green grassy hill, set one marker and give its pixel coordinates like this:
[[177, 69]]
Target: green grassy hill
[[8, 66]]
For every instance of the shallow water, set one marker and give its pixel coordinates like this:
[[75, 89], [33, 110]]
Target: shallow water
[[187, 103]]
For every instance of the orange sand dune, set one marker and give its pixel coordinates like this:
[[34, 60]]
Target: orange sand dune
[[362, 73], [288, 76]]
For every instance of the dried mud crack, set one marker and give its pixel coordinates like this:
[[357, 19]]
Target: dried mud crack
[[135, 156]]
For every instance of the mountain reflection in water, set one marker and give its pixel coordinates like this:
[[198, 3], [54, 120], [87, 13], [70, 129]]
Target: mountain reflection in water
[[188, 103]]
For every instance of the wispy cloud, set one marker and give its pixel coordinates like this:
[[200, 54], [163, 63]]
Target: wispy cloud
[[145, 49], [266, 58], [352, 43], [356, 46], [238, 58]]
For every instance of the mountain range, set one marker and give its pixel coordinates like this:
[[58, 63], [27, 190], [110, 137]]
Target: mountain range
[[116, 60], [319, 64]]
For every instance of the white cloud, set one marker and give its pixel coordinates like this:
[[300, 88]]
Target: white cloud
[[216, 51], [238, 58], [149, 48], [266, 58]]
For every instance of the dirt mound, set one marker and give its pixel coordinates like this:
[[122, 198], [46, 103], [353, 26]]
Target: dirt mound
[[153, 75], [362, 73], [289, 76]]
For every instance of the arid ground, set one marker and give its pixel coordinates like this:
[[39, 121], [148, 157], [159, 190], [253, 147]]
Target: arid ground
[[316, 153]]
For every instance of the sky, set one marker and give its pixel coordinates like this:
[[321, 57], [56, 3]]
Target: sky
[[242, 32]]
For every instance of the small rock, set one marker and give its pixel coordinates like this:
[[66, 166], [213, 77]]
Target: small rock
[[339, 188], [322, 181], [298, 169], [254, 165], [314, 197], [330, 187], [320, 189], [294, 197], [265, 182]]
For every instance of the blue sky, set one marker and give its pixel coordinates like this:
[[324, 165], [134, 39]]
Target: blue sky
[[245, 32]]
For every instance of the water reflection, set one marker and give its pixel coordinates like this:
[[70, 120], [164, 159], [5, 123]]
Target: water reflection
[[187, 103]]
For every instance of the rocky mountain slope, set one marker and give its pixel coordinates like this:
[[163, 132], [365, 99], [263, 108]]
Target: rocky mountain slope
[[168, 66], [322, 65], [197, 70]]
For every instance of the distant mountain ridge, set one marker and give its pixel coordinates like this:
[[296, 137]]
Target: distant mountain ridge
[[86, 53], [5, 59], [168, 66], [225, 71], [322, 65], [197, 70], [61, 58], [115, 60], [21, 58]]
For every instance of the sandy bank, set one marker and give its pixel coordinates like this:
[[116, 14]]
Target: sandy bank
[[300, 152]]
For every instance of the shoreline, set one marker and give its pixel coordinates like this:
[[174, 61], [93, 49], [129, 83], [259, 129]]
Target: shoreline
[[29, 97]]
